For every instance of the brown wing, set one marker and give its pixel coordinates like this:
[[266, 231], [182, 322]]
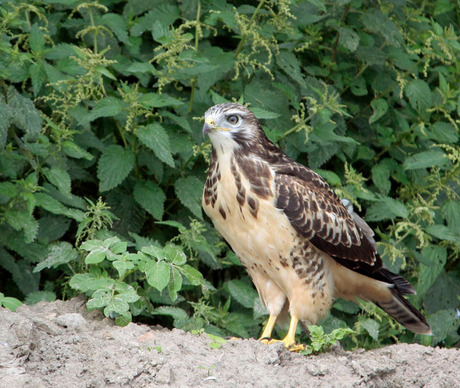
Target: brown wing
[[316, 212]]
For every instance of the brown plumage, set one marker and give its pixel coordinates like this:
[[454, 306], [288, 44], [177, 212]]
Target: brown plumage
[[299, 243]]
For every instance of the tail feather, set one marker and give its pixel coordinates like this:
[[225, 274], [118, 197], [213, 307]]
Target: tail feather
[[400, 283], [406, 314]]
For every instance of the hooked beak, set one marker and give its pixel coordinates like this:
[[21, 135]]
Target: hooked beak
[[210, 125]]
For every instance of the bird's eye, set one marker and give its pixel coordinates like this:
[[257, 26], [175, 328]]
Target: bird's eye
[[233, 119]]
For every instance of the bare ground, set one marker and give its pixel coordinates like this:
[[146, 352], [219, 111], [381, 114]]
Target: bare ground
[[60, 344]]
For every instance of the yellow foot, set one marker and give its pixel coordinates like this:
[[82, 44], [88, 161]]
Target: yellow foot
[[292, 347]]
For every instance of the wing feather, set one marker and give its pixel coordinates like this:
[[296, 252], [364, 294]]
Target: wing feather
[[316, 212]]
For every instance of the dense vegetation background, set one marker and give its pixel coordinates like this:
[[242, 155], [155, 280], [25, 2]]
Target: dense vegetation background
[[102, 159]]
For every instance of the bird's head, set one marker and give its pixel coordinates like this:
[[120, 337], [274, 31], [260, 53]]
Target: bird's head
[[231, 125]]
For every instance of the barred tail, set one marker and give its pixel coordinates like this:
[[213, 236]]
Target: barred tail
[[406, 314]]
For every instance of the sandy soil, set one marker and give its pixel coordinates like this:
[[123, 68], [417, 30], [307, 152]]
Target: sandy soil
[[60, 344]]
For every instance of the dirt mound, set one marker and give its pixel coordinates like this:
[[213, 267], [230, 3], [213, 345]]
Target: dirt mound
[[61, 344]]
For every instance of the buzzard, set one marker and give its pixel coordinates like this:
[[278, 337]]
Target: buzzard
[[298, 241]]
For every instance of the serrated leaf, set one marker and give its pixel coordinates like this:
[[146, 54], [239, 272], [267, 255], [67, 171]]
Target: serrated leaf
[[114, 166], [434, 258], [59, 178], [59, 253], [156, 138], [107, 107], [348, 38], [6, 115], [158, 274], [264, 114], [425, 159], [419, 94], [151, 197], [53, 206], [386, 209], [442, 132], [193, 275], [189, 191], [37, 76], [288, 62], [96, 256], [242, 292], [175, 254], [23, 220], [36, 39], [25, 115], [450, 210], [122, 267], [89, 282], [155, 100], [443, 232], [74, 151], [372, 327], [381, 177], [118, 25], [379, 108]]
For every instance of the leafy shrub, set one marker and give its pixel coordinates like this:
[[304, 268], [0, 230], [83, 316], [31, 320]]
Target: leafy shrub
[[102, 160]]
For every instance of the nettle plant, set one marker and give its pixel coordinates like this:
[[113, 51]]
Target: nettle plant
[[102, 161]]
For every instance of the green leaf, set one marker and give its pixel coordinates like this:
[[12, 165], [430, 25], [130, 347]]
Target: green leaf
[[372, 327], [89, 282], [386, 209], [443, 323], [175, 254], [425, 159], [434, 259], [189, 191], [242, 292], [264, 114], [74, 151], [118, 25], [39, 296], [53, 206], [23, 220], [107, 107], [151, 197], [419, 94], [379, 108], [348, 39], [155, 100], [158, 274], [59, 178], [156, 138], [96, 256], [443, 232], [175, 284], [9, 302], [193, 275], [288, 62], [6, 115], [114, 166], [25, 115], [176, 312], [59, 253], [381, 177], [442, 132], [36, 39], [450, 210]]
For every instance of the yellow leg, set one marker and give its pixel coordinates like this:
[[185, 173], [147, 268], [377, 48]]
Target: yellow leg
[[267, 333], [288, 341]]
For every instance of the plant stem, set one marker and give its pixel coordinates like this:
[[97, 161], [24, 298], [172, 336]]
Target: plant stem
[[197, 41]]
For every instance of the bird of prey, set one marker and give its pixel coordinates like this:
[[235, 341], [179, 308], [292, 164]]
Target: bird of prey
[[298, 241]]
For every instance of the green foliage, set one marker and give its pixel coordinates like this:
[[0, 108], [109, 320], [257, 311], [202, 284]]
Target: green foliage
[[322, 342], [102, 161]]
